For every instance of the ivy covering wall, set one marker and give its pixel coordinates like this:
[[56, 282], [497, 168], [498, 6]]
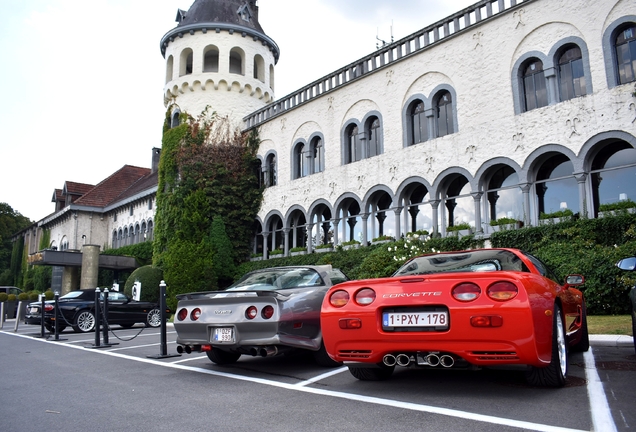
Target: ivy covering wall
[[208, 197]]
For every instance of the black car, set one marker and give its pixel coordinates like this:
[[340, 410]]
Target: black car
[[78, 311]]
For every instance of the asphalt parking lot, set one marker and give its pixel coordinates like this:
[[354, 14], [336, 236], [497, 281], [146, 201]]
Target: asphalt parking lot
[[291, 392]]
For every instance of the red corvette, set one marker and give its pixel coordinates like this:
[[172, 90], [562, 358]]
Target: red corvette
[[484, 307]]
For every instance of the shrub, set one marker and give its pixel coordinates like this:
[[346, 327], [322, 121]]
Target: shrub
[[150, 278], [23, 296], [557, 214], [12, 297], [298, 249], [459, 227], [49, 295], [3, 297], [620, 205], [503, 221], [34, 295], [276, 252]]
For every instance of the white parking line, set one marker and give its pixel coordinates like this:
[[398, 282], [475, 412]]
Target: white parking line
[[599, 408], [321, 377], [138, 346], [349, 396], [190, 359]]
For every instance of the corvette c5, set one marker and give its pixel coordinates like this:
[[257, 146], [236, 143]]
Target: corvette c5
[[485, 307]]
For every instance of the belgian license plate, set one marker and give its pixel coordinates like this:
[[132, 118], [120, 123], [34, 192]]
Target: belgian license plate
[[34, 310], [415, 319], [223, 334]]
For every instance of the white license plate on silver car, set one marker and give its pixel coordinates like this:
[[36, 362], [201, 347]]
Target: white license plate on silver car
[[415, 319], [223, 334]]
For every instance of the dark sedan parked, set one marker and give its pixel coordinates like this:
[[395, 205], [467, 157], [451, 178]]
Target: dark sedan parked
[[78, 311]]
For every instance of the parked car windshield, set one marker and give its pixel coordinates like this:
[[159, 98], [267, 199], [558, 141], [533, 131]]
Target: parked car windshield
[[72, 295], [276, 279], [486, 260]]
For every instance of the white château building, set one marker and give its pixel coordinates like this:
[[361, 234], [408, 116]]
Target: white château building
[[507, 108]]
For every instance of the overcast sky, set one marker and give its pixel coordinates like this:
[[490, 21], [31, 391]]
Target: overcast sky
[[83, 79]]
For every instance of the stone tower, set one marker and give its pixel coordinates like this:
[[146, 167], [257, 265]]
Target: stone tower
[[219, 55]]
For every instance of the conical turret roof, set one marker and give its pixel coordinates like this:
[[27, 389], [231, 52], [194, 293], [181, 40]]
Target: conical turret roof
[[233, 15], [239, 12]]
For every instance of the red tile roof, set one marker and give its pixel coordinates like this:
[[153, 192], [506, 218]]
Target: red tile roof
[[110, 189]]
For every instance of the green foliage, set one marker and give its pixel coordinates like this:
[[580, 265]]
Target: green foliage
[[45, 240], [150, 277], [3, 297], [33, 295], [206, 170], [503, 221], [223, 266], [620, 205], [23, 296], [49, 295], [12, 297], [459, 227], [11, 223], [142, 252], [557, 214], [590, 247]]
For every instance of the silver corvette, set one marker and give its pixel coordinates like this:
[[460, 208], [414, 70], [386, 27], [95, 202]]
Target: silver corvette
[[267, 312]]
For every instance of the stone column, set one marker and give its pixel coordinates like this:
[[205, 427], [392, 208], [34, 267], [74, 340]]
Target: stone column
[[477, 198], [90, 266], [435, 228], [583, 210], [525, 190]]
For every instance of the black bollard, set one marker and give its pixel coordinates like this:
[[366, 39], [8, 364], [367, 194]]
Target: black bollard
[[97, 313], [42, 297], [106, 325], [55, 315], [162, 305]]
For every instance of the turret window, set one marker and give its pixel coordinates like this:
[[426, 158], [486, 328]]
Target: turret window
[[211, 59], [236, 61]]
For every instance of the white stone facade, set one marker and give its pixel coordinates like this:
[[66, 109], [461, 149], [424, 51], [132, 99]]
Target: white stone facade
[[480, 67]]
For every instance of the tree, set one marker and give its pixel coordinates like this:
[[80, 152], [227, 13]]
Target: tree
[[11, 222]]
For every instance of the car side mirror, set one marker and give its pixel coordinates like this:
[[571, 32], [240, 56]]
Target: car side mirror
[[574, 280], [628, 264]]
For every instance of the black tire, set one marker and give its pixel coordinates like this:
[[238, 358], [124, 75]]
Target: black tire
[[380, 373], [84, 322], [51, 328], [555, 374], [322, 358], [153, 319], [127, 325], [584, 344], [221, 357]]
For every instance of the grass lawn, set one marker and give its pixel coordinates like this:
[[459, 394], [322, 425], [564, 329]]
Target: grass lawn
[[610, 324]]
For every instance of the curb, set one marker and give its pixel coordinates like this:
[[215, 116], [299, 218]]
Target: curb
[[611, 340]]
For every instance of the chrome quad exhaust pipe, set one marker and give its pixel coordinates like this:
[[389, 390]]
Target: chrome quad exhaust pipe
[[403, 360], [447, 361], [389, 360]]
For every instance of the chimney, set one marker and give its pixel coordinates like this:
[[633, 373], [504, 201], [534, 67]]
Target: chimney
[[156, 154]]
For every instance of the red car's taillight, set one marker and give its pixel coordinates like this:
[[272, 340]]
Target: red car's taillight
[[502, 291], [183, 313], [465, 292], [251, 312], [267, 312], [195, 314], [339, 298], [365, 296]]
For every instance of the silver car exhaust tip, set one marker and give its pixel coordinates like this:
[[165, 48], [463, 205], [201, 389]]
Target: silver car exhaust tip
[[389, 360], [447, 361], [432, 360], [403, 360], [268, 351], [253, 352], [179, 349], [188, 349]]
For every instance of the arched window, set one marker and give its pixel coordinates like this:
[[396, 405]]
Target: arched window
[[625, 45], [114, 240], [571, 75], [270, 178], [504, 195], [236, 61], [169, 66], [271, 76], [459, 203], [174, 122], [535, 93], [211, 59], [300, 167], [444, 112], [373, 137], [317, 152], [353, 144], [418, 125], [151, 233], [185, 64], [613, 173], [259, 68], [556, 187]]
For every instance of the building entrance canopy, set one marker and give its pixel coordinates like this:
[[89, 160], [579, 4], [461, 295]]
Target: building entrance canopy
[[70, 258]]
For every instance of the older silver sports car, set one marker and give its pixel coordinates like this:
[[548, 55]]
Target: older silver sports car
[[267, 312]]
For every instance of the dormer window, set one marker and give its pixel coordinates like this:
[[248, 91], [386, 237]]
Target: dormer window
[[181, 14], [244, 13]]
